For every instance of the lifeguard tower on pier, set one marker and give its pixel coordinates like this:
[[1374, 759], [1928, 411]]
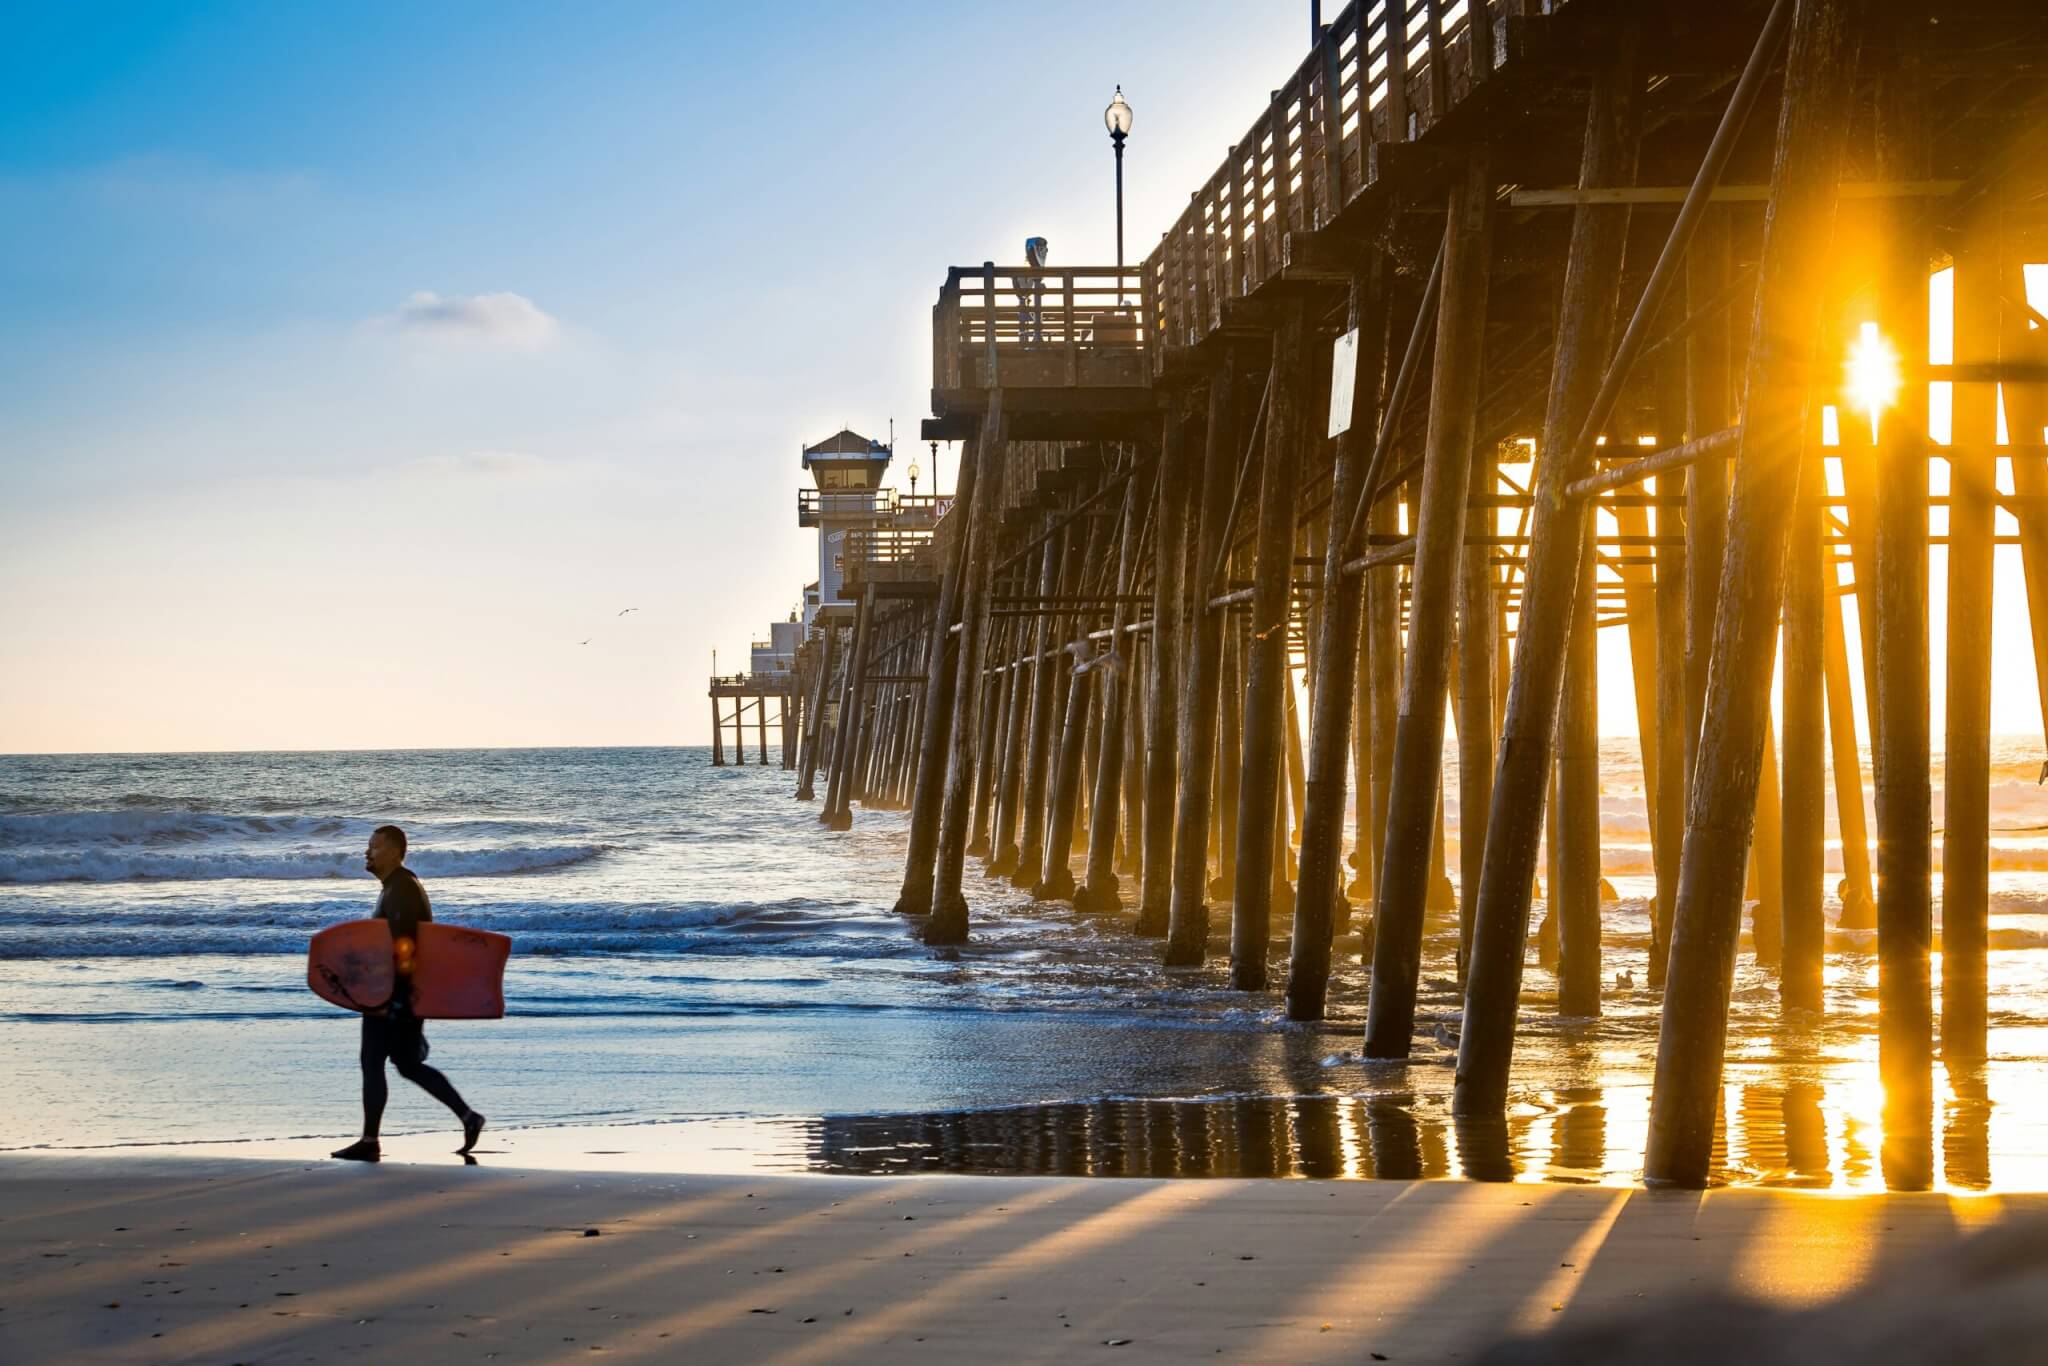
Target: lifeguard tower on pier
[[873, 542]]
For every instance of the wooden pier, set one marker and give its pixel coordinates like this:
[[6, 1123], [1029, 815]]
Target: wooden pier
[[752, 694], [1504, 324]]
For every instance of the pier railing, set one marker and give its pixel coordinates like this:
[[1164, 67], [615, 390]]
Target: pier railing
[[751, 684], [814, 503], [905, 509], [915, 510], [1041, 327], [1384, 72], [887, 554]]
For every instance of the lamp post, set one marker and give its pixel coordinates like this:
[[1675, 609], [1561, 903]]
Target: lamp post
[[935, 469], [1117, 118], [913, 472]]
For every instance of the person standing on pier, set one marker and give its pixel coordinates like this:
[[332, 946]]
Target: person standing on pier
[[1031, 293], [395, 1033]]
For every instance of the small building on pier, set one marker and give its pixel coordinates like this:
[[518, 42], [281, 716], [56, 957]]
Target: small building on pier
[[777, 654], [867, 534], [848, 494]]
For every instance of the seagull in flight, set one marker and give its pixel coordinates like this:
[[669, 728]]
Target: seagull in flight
[[586, 642], [629, 609]]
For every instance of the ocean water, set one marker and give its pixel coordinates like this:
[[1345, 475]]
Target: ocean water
[[703, 975]]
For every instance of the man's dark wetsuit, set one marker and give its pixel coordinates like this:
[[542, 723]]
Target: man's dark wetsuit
[[398, 1034]]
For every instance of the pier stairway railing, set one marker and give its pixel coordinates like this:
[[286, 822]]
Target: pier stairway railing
[[1384, 73], [888, 555]]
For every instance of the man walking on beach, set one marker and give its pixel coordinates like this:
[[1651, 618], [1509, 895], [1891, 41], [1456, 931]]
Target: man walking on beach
[[395, 1033]]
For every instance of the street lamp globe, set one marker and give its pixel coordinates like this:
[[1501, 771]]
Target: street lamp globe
[[1117, 118]]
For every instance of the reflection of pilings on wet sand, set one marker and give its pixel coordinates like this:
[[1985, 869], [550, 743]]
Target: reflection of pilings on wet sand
[[1322, 1137], [1966, 1129], [1767, 1134]]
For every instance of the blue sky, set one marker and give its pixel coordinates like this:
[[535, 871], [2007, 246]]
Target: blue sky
[[358, 362]]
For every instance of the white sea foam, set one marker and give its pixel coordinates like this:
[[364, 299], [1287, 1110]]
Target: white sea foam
[[156, 827], [174, 827], [775, 928], [167, 842], [117, 863]]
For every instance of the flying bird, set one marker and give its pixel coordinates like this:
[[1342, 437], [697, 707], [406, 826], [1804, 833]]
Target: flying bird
[[629, 609], [586, 642]]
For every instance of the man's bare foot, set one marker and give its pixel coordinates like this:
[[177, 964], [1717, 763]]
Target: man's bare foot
[[362, 1150], [472, 1126]]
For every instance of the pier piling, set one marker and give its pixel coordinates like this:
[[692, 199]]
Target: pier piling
[[1803, 847], [1550, 585], [814, 730], [1075, 661], [1201, 684], [947, 923], [1100, 892], [1966, 777], [942, 666], [1405, 859], [1805, 186], [1259, 794], [1903, 722], [837, 814], [1038, 731], [1321, 884], [994, 701], [1180, 471]]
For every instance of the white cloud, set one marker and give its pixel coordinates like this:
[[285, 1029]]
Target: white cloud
[[503, 319]]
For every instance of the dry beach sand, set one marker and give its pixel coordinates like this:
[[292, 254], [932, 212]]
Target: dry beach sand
[[198, 1259]]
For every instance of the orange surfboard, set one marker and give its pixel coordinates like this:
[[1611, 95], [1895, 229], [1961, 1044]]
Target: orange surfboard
[[350, 964], [459, 973]]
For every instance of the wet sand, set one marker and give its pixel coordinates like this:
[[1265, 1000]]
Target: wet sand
[[1579, 1136], [146, 1259]]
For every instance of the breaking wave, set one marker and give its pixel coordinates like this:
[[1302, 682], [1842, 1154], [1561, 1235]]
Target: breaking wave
[[127, 865], [791, 927], [159, 826], [156, 843]]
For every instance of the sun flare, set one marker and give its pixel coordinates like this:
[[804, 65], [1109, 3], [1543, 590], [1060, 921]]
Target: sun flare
[[1872, 381]]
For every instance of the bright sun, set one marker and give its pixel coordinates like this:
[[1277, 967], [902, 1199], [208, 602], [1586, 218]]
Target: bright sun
[[1873, 380]]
